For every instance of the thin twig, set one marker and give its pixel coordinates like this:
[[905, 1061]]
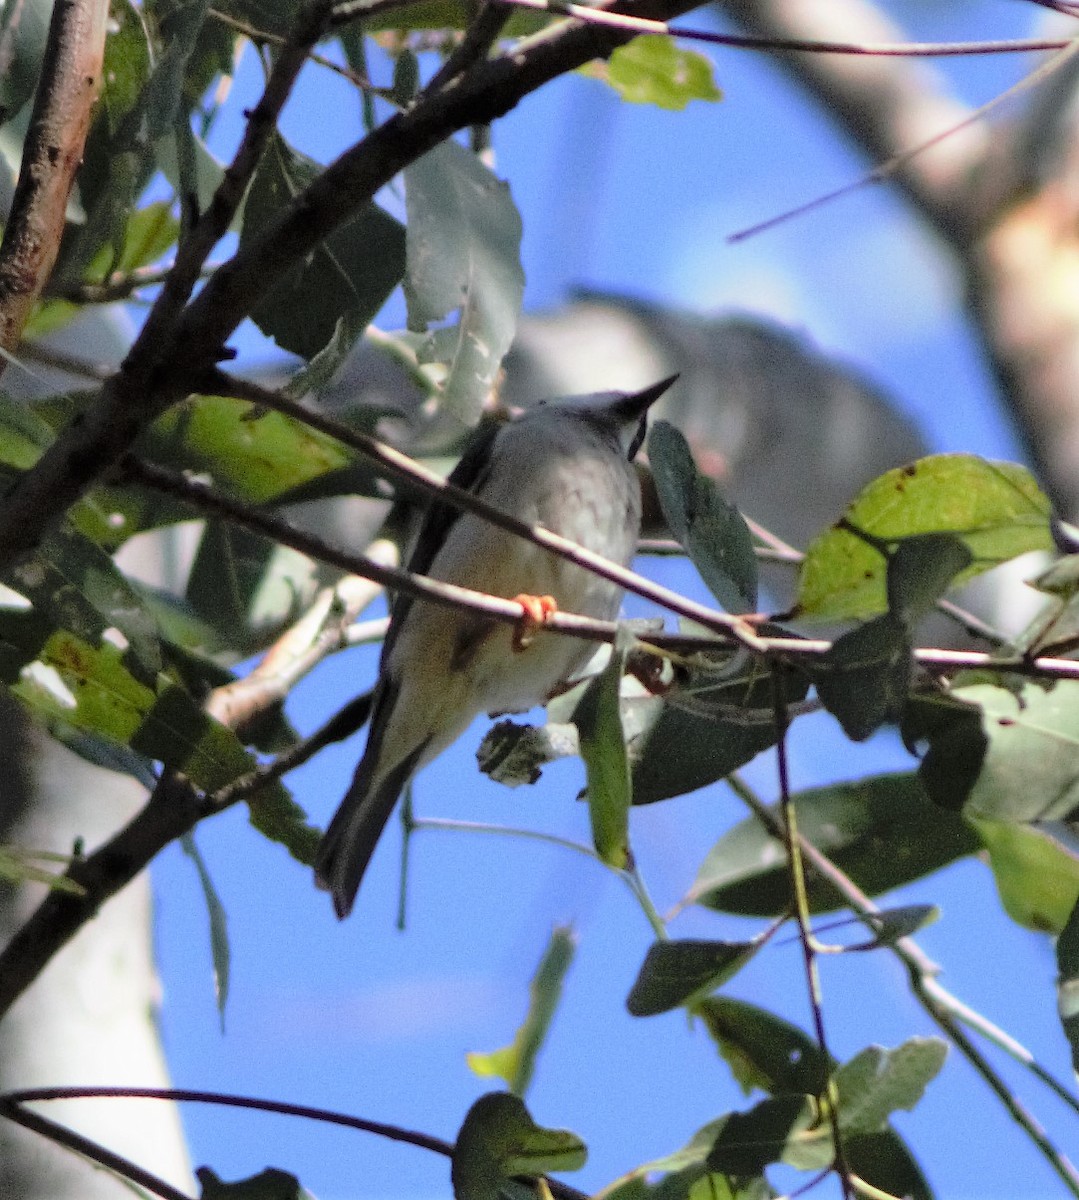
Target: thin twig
[[944, 1009], [634, 24], [394, 1133], [11, 1107], [792, 842]]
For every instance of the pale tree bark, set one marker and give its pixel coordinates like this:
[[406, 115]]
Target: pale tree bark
[[1003, 198]]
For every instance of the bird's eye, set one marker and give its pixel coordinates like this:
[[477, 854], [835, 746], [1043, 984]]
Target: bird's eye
[[638, 439]]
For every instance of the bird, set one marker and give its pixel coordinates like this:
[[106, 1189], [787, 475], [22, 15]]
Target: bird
[[564, 464]]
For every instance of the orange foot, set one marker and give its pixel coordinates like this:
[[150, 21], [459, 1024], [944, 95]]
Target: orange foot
[[537, 611]]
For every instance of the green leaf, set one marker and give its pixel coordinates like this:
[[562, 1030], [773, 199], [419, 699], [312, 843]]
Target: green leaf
[[656, 70], [995, 509], [877, 1082], [464, 241], [598, 719], [499, 1140], [685, 971], [256, 456], [23, 30], [516, 1063], [683, 1171], [275, 814], [19, 865], [766, 1052], [762, 1050], [1068, 982], [349, 275], [1037, 876], [892, 924], [1030, 769], [781, 1128], [920, 570], [270, 1184], [711, 725], [882, 831], [712, 531], [951, 732], [220, 953], [864, 678], [128, 59]]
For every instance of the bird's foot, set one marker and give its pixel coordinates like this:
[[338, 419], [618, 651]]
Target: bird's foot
[[536, 612]]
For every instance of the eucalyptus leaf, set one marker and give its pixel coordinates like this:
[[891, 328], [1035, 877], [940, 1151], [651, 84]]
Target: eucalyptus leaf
[[656, 70], [864, 678], [883, 831], [598, 719], [712, 531], [220, 951], [499, 1140], [464, 241], [1037, 875], [684, 971], [516, 1063], [995, 509], [349, 275]]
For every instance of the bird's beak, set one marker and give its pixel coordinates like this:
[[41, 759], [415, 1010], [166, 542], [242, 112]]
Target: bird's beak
[[636, 404]]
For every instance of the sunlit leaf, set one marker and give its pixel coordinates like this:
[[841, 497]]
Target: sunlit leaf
[[499, 1140], [656, 70], [995, 509], [598, 719], [516, 1062], [1037, 875]]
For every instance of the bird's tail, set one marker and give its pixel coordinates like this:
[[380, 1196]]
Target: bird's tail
[[346, 848], [350, 840]]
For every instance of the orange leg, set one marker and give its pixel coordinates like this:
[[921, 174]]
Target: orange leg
[[537, 610]]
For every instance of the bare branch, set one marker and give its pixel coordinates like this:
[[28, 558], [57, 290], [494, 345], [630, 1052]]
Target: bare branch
[[68, 85]]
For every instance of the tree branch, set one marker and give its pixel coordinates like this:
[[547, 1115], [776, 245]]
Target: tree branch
[[173, 345], [68, 85]]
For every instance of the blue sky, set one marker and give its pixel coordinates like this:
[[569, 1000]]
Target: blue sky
[[360, 1018]]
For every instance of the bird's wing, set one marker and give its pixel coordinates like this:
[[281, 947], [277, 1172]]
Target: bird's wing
[[470, 473]]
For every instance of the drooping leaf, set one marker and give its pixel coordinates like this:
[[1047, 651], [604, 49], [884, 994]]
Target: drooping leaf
[[920, 570], [712, 531], [499, 1140], [24, 29], [1037, 875], [127, 65], [685, 1175], [948, 733], [516, 1062], [274, 813], [464, 238], [995, 509], [220, 952], [349, 275], [882, 831], [598, 719], [656, 70], [712, 724], [1068, 982], [684, 971], [864, 678], [762, 1050], [778, 1129]]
